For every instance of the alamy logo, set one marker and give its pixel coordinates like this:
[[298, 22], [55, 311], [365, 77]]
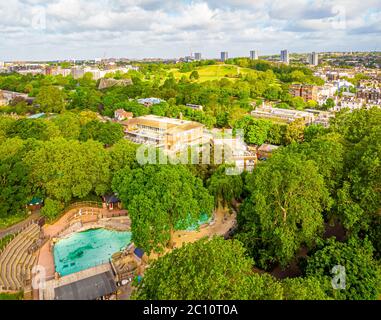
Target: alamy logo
[[338, 281]]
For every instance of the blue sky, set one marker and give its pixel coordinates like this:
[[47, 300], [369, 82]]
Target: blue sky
[[76, 29]]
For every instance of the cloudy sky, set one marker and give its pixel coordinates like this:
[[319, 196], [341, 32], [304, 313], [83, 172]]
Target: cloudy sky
[[75, 29]]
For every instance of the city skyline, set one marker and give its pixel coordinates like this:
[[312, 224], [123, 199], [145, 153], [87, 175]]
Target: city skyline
[[68, 29]]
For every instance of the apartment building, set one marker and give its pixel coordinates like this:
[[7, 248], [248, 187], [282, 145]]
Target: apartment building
[[307, 92], [370, 95], [284, 57], [254, 55], [224, 56]]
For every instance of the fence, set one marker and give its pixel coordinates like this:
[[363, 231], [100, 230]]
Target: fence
[[82, 204]]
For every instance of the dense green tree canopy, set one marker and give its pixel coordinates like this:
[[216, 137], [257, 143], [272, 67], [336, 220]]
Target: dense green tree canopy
[[51, 99], [161, 198], [106, 132], [224, 187], [362, 273], [204, 270], [63, 169], [15, 188], [305, 289], [285, 208]]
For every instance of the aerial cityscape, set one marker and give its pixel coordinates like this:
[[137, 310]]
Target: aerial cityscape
[[232, 171]]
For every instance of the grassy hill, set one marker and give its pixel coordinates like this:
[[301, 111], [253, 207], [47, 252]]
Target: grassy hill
[[214, 72]]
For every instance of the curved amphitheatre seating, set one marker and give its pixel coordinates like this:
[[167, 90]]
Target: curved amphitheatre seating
[[16, 260]]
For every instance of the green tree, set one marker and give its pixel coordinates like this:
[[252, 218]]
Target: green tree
[[106, 132], [313, 131], [191, 278], [69, 125], [194, 75], [15, 188], [51, 99], [284, 210], [256, 130], [123, 153], [310, 288], [161, 199], [362, 273], [40, 129], [225, 188], [51, 209], [295, 131], [63, 169]]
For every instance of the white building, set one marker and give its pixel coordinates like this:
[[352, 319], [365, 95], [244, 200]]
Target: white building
[[197, 56]]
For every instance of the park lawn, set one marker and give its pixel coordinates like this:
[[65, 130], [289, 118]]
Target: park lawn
[[11, 220], [214, 72]]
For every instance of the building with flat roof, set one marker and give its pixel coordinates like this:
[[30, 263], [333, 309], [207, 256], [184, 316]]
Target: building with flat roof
[[284, 57], [197, 56], [313, 59], [224, 56], [307, 92], [167, 133], [150, 101], [254, 55], [285, 115]]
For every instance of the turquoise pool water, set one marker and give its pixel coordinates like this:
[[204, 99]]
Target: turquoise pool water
[[204, 218], [83, 250]]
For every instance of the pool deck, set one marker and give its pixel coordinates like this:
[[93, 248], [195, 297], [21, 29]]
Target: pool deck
[[45, 258], [223, 222]]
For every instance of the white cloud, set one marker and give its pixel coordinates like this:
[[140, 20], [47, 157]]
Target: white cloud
[[139, 28]]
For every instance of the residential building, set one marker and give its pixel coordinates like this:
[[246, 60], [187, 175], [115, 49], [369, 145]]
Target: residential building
[[313, 59], [62, 72], [150, 101], [170, 134], [307, 92], [343, 84], [284, 115], [224, 56], [370, 95], [254, 55], [197, 56], [284, 57], [121, 114], [2, 64], [77, 72]]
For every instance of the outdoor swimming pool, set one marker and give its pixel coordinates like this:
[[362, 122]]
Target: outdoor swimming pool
[[83, 250]]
